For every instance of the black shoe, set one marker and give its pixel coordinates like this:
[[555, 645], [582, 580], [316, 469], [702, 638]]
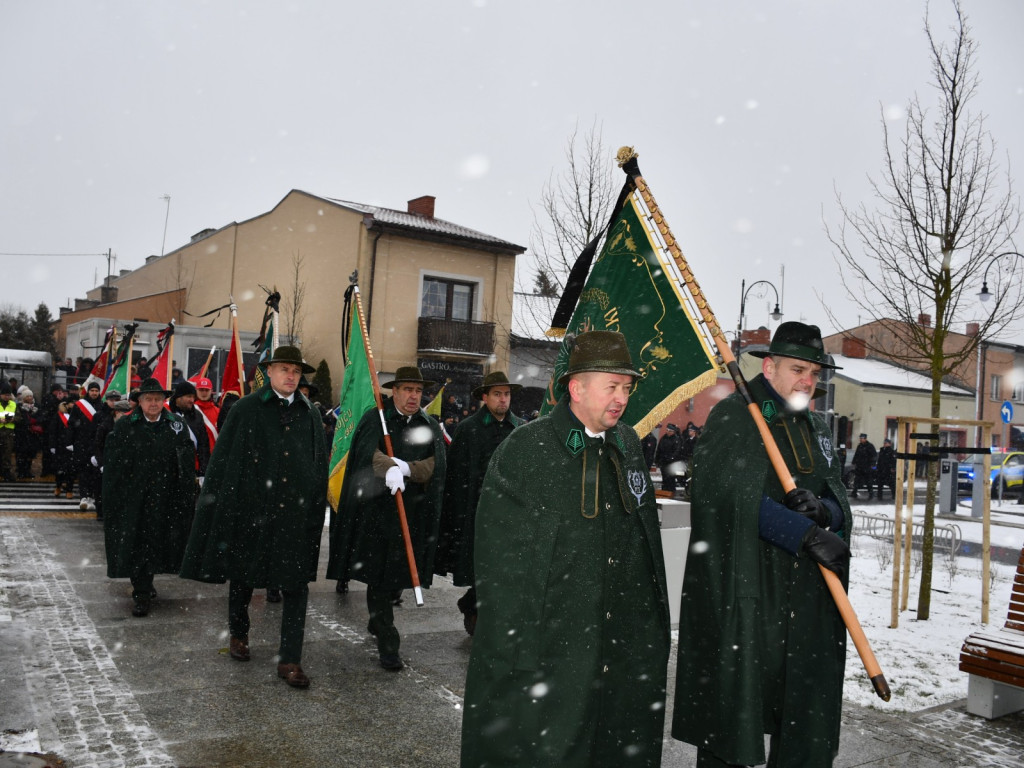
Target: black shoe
[[396, 599], [371, 630], [273, 595], [341, 587], [392, 662], [141, 608]]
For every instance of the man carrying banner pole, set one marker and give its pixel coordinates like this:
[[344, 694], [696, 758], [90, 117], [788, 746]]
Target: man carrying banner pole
[[396, 463]]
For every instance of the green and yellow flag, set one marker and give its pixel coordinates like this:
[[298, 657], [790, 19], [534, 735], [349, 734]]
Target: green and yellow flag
[[635, 288], [356, 399], [120, 377]]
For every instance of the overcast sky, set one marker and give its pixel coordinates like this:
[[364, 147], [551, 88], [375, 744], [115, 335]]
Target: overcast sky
[[747, 116]]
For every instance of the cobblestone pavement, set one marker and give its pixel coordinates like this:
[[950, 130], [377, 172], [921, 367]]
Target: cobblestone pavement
[[101, 689]]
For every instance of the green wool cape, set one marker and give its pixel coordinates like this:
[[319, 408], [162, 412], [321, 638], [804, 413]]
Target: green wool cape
[[149, 487], [762, 646], [261, 511], [468, 456], [569, 658], [366, 535]]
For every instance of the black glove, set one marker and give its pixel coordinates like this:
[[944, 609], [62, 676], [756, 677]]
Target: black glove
[[829, 550], [807, 504]]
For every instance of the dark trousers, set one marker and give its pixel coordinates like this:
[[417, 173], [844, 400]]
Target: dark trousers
[[6, 452], [862, 480], [142, 582], [88, 482], [467, 603], [379, 602], [293, 618]]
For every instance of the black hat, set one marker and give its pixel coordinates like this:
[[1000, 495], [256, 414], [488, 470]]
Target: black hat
[[184, 388], [602, 351], [5, 389], [288, 354], [112, 394], [863, 435], [313, 389], [56, 387], [408, 373], [494, 379], [148, 386], [92, 385], [799, 341]]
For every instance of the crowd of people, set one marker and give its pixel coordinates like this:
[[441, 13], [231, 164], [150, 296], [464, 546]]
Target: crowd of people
[[551, 525]]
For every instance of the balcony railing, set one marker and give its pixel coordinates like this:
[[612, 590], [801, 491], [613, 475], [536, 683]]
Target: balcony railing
[[459, 336]]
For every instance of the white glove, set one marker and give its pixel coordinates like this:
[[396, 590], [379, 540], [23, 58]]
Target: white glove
[[70, 447], [393, 480], [53, 451], [402, 465], [92, 460], [200, 480]]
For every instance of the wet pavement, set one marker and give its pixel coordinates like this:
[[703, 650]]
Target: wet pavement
[[83, 680]]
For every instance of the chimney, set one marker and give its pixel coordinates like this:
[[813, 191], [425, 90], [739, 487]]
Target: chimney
[[854, 347], [972, 329], [759, 337], [423, 206], [924, 320]]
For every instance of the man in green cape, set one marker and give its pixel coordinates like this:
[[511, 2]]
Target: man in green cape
[[468, 456], [762, 646], [366, 535], [261, 512], [149, 486], [571, 648]]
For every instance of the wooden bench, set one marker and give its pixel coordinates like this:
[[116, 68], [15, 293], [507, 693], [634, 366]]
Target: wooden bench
[[994, 659]]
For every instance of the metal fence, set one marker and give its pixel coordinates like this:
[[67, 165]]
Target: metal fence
[[947, 537]]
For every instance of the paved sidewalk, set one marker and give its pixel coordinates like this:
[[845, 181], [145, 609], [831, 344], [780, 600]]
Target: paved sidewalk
[[86, 682]]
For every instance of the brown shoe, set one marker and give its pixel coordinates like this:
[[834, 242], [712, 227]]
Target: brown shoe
[[293, 675], [70, 495], [239, 648]]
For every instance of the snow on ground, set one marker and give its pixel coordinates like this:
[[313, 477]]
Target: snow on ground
[[920, 658]]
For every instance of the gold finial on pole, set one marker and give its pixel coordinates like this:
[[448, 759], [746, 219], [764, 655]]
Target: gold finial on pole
[[624, 155]]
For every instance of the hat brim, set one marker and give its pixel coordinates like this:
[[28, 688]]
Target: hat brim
[[564, 378], [478, 393], [424, 382], [763, 353], [134, 396]]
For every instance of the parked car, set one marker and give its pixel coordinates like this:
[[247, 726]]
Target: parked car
[[1007, 471]]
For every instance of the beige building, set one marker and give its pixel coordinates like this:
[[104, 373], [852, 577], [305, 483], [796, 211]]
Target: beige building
[[993, 377], [436, 294]]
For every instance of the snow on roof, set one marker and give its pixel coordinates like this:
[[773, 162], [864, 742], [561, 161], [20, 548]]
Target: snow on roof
[[424, 223], [531, 315], [876, 373]]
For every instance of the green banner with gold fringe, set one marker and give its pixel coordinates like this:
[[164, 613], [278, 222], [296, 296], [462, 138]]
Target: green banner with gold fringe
[[633, 288]]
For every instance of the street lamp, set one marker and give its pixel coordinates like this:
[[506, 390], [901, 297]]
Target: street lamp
[[744, 292], [984, 294]]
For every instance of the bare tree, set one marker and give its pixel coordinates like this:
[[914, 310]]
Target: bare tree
[[574, 205], [292, 310], [944, 212]]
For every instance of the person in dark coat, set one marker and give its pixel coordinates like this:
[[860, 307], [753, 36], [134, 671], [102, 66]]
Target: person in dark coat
[[366, 537], [650, 447], [668, 457], [468, 456], [63, 459], [48, 411], [81, 434], [183, 403], [148, 494], [569, 660], [885, 474], [762, 646], [104, 425], [261, 511], [864, 466], [27, 433]]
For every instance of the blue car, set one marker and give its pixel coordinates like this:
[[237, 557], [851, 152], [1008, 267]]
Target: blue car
[[1007, 470]]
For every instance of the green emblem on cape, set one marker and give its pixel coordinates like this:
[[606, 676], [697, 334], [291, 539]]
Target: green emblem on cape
[[574, 442], [768, 410]]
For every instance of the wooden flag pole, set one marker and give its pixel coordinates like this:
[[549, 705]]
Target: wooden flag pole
[[627, 161], [399, 500]]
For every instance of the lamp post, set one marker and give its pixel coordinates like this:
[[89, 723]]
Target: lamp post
[[776, 313], [984, 295]]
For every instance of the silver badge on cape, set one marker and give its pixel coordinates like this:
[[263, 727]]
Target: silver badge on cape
[[637, 482], [177, 426], [826, 448]]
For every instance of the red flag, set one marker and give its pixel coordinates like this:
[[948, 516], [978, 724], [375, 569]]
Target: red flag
[[233, 379], [99, 370], [160, 363]]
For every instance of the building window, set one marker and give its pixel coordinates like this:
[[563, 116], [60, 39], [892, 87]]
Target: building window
[[450, 299], [1018, 392], [995, 388]]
